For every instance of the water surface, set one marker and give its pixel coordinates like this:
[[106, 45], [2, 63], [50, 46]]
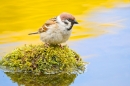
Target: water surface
[[101, 38]]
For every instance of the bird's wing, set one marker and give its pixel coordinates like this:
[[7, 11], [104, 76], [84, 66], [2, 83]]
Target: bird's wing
[[45, 27]]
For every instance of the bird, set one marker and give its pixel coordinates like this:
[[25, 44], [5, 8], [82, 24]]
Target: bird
[[56, 30]]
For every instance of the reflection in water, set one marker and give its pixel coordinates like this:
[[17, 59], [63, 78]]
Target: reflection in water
[[18, 18], [42, 79]]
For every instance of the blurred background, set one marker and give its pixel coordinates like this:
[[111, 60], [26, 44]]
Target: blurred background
[[20, 17], [101, 37]]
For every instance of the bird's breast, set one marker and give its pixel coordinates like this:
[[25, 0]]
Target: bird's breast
[[55, 35]]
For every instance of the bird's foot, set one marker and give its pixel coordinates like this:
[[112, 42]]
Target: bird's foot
[[61, 46], [46, 44]]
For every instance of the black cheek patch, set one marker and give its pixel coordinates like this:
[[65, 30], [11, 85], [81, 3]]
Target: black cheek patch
[[70, 27], [66, 22]]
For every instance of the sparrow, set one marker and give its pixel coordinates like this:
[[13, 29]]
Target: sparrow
[[57, 30]]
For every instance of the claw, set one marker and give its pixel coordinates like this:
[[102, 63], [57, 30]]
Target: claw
[[46, 44], [61, 46]]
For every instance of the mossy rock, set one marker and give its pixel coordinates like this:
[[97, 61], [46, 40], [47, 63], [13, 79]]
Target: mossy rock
[[43, 59], [29, 79]]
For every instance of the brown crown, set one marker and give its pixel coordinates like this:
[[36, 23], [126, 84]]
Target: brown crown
[[65, 15]]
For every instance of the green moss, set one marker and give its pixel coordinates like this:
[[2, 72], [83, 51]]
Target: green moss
[[42, 59], [30, 79]]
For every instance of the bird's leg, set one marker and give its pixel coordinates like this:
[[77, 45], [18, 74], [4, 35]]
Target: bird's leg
[[60, 45], [46, 44]]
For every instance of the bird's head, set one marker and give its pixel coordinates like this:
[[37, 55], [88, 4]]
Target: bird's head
[[67, 20]]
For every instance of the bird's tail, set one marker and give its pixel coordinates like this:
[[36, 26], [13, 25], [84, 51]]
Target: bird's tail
[[33, 33]]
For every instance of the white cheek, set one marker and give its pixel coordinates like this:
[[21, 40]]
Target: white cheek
[[59, 21], [62, 25], [68, 25]]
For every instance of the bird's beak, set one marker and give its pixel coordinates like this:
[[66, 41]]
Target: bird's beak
[[75, 22]]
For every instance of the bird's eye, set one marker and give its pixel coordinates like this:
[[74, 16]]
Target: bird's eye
[[69, 19], [65, 22]]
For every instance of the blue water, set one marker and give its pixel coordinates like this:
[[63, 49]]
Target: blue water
[[5, 81], [108, 55]]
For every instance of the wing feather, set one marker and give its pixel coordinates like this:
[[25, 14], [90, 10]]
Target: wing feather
[[49, 22], [45, 27]]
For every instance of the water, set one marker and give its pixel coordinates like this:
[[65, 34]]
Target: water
[[106, 44]]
